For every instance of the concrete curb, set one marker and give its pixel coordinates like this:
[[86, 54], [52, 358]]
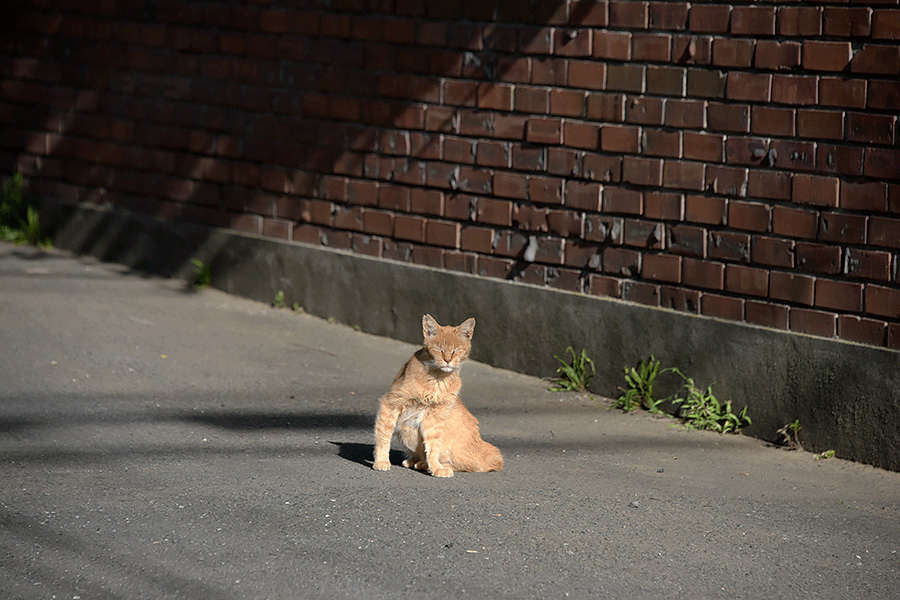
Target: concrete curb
[[845, 395]]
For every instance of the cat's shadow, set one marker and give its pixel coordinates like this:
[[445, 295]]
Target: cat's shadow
[[363, 453]]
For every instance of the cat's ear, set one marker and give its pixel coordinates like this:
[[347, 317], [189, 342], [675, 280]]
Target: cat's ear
[[429, 327], [466, 328]]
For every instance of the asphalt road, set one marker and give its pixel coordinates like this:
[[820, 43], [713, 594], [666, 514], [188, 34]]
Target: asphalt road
[[161, 443]]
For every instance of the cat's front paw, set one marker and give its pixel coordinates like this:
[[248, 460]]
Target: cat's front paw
[[443, 472], [381, 465]]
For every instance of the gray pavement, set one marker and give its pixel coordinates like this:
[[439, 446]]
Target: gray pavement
[[161, 443]]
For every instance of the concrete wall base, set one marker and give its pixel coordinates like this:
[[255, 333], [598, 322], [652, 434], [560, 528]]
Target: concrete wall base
[[846, 396]]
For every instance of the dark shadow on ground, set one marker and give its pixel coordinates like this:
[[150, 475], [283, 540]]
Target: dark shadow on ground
[[363, 453]]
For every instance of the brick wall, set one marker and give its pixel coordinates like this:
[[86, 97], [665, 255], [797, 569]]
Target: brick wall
[[737, 160]]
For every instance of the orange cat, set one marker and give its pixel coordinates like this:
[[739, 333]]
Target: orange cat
[[424, 410]]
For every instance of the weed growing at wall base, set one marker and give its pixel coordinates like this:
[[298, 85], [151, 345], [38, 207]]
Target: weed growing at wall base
[[574, 376], [19, 221], [698, 408]]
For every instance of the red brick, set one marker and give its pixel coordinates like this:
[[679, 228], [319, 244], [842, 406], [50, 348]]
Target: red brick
[[587, 13], [661, 267], [755, 87], [643, 293], [893, 336], [532, 100], [839, 295], [791, 287], [495, 96], [712, 18], [666, 80], [772, 252], [703, 146], [609, 108], [664, 15], [628, 14], [861, 330], [583, 195], [753, 20], [544, 131], [842, 159], [868, 264], [846, 22], [726, 245], [590, 75], [826, 56], [612, 45], [728, 181], [818, 258], [644, 111], [651, 47], [568, 103], [705, 209], [621, 261], [621, 200], [626, 78], [620, 138], [850, 93], [492, 154], [766, 314], [572, 42], [581, 135], [883, 301], [730, 118], [813, 322], [476, 181], [546, 190], [868, 196], [493, 267], [746, 150], [815, 189], [582, 255], [876, 59], [684, 175], [510, 185], [886, 24], [799, 90], [772, 55], [599, 228], [884, 95], [602, 167], [799, 21], [643, 234], [565, 223], [703, 274], [882, 163], [409, 228], [662, 206], [767, 120], [679, 299], [723, 307], [531, 218], [884, 232], [600, 285], [687, 240], [442, 233], [870, 129], [820, 124], [477, 239], [642, 171], [732, 52], [842, 228], [751, 216], [706, 83]]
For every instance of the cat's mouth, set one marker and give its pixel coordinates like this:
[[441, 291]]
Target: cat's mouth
[[446, 369]]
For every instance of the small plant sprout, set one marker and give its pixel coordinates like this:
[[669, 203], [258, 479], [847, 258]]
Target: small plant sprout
[[700, 409], [825, 455], [790, 435], [278, 302], [639, 393], [297, 308], [202, 274], [574, 376], [19, 221]]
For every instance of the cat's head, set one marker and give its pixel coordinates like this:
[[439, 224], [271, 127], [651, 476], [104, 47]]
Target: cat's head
[[447, 346]]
